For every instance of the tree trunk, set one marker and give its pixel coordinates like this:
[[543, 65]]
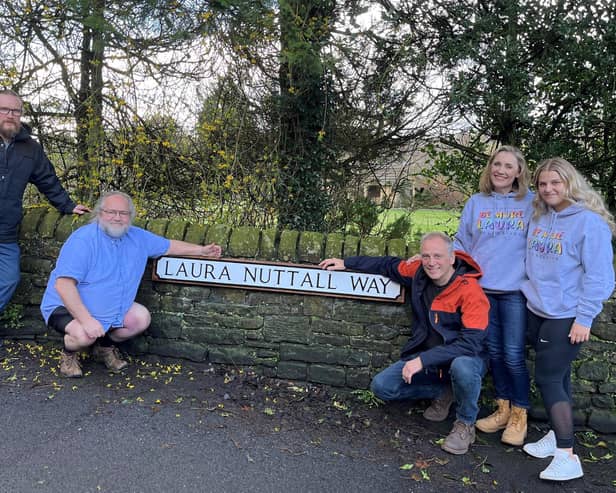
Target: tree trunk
[[303, 153], [89, 107]]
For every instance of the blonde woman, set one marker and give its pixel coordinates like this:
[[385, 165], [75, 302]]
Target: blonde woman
[[492, 230], [569, 264]]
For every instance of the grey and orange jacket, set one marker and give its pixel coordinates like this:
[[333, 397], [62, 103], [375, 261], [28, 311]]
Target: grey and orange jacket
[[459, 314]]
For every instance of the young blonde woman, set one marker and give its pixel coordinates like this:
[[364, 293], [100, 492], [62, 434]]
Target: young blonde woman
[[569, 264], [492, 230]]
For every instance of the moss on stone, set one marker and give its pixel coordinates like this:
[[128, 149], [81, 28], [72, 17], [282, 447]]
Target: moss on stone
[[176, 230], [310, 248], [267, 248], [47, 227], [219, 234], [244, 242], [372, 245], [287, 250], [158, 226], [334, 244], [195, 233]]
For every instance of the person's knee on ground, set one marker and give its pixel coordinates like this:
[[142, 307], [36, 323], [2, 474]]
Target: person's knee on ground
[[381, 388], [387, 384]]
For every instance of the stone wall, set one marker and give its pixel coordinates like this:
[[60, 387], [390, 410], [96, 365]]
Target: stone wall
[[333, 341]]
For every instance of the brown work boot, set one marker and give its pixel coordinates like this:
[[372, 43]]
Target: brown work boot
[[110, 356], [497, 420], [459, 439], [515, 433], [439, 407], [69, 364]]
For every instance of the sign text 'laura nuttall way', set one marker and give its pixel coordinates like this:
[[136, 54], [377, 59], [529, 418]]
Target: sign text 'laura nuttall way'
[[278, 277]]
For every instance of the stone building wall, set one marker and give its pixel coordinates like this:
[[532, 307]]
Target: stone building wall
[[334, 341]]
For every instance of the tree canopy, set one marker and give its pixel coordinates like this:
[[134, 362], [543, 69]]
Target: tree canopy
[[275, 113]]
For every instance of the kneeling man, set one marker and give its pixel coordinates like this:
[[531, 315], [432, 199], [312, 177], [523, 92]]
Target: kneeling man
[[445, 358], [90, 296]]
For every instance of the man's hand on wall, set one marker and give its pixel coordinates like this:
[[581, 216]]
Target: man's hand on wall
[[80, 209], [332, 264], [212, 250]]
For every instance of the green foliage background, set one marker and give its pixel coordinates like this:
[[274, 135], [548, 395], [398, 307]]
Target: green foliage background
[[276, 114]]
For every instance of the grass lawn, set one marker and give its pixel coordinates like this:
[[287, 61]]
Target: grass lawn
[[422, 221]]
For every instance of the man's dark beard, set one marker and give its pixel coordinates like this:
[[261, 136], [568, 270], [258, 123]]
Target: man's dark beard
[[8, 135]]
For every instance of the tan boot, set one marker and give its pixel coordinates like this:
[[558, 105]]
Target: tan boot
[[459, 439], [497, 420], [69, 365], [110, 356], [515, 432]]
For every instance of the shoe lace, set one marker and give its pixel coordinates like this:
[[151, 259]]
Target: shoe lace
[[460, 428], [545, 444], [560, 463], [501, 411], [109, 352], [71, 360]]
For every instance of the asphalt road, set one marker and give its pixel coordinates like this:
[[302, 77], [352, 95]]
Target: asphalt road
[[103, 433], [178, 427], [79, 443]]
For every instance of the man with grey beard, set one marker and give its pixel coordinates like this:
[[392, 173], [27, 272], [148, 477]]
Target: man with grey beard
[[90, 296], [22, 161]]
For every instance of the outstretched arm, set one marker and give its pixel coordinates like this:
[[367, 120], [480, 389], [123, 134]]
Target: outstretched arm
[[177, 247]]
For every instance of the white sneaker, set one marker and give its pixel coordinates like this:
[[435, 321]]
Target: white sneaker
[[563, 467], [543, 448]]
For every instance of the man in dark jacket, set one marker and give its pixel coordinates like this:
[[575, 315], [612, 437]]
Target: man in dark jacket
[[444, 359], [22, 161]]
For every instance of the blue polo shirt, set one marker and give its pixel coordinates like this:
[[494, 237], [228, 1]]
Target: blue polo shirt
[[107, 270]]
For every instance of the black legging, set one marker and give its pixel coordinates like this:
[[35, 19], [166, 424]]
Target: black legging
[[554, 355]]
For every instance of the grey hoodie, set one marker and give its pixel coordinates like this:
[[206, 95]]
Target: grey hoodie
[[493, 231], [569, 264]]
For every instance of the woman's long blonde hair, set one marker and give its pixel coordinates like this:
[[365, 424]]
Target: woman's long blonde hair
[[577, 190], [520, 184]]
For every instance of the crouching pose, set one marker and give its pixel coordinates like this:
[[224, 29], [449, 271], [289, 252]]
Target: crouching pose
[[90, 296], [444, 359]]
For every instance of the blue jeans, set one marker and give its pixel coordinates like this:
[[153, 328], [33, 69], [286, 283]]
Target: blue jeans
[[9, 272], [465, 374], [507, 347]]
